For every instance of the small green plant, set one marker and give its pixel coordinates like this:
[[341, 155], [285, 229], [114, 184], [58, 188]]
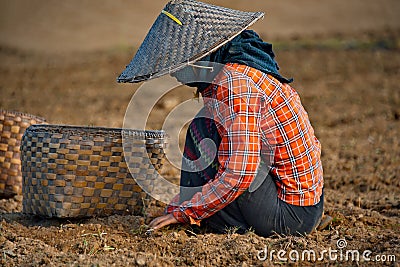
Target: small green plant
[[85, 245], [98, 244], [141, 230], [231, 231]]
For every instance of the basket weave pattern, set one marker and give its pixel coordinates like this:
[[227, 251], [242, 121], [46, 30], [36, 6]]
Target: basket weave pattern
[[83, 171], [12, 127], [169, 46]]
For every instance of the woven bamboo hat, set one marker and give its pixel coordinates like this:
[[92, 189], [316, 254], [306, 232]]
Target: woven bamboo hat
[[184, 32]]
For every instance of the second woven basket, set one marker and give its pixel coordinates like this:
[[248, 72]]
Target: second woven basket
[[12, 127], [73, 171]]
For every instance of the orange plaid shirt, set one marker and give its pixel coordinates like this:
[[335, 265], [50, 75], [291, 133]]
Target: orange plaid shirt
[[252, 109]]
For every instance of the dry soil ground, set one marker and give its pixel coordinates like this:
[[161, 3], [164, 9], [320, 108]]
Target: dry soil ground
[[348, 81]]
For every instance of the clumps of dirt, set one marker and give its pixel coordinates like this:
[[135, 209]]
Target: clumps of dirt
[[353, 99], [10, 205], [124, 240]]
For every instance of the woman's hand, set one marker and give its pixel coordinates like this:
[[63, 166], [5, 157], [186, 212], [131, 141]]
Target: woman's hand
[[162, 221]]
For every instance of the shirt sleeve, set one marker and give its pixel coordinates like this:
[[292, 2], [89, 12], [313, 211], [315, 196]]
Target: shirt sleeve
[[236, 112]]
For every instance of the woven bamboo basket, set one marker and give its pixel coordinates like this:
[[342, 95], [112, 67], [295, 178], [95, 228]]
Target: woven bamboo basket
[[12, 127], [73, 171]]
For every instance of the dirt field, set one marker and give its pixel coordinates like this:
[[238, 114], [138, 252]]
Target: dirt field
[[346, 74]]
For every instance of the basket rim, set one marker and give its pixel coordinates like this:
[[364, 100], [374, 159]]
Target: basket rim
[[93, 130], [19, 113]]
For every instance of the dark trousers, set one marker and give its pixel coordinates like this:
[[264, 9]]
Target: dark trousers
[[260, 211]]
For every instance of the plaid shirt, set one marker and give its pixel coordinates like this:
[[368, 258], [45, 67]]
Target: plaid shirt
[[253, 111]]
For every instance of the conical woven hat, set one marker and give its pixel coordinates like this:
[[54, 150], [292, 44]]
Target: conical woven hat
[[184, 32]]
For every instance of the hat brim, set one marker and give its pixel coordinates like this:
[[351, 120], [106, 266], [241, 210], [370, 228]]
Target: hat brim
[[183, 33]]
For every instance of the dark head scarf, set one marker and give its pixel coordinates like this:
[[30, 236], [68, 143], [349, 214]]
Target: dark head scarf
[[247, 48]]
